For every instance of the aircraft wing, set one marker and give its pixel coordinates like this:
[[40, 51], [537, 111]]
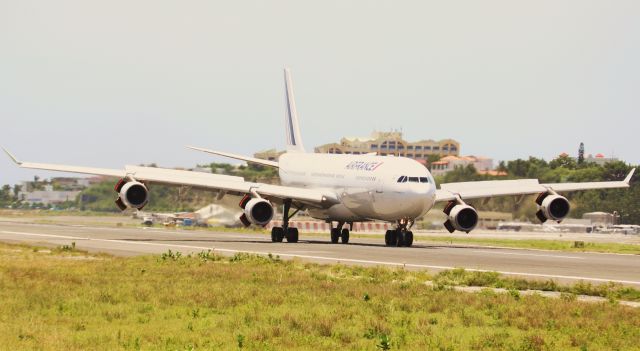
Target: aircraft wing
[[494, 188], [224, 183]]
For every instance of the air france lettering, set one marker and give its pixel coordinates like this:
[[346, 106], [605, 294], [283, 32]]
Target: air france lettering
[[363, 166]]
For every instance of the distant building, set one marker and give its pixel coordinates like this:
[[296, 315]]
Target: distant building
[[48, 196], [447, 164], [392, 143], [383, 144], [600, 218], [599, 159]]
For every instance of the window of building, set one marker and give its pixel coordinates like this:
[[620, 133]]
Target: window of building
[[410, 147], [454, 148], [436, 148], [418, 155], [427, 147], [409, 155], [418, 147], [374, 146], [445, 148]]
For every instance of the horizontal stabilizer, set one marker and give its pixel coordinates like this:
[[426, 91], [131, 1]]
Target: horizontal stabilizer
[[237, 157]]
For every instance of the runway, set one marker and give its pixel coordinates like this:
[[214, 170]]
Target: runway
[[534, 264]]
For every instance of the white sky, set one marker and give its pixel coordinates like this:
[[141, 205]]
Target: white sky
[[108, 83]]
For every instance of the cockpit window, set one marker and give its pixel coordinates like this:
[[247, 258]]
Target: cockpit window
[[424, 180], [413, 180], [400, 179]]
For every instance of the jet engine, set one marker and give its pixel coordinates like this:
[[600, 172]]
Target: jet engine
[[257, 211], [552, 206], [132, 194], [460, 217]]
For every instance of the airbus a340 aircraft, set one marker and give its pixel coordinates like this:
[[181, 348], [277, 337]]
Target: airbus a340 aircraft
[[340, 189]]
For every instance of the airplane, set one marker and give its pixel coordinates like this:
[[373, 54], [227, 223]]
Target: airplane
[[338, 188]]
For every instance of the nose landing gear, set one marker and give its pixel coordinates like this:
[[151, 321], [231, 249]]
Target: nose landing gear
[[401, 236]]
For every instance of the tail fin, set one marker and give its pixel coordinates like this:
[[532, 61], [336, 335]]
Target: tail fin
[[294, 140]]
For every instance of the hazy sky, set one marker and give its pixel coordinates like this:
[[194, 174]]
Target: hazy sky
[[109, 83]]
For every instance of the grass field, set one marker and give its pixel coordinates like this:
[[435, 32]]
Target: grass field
[[541, 244], [63, 299]]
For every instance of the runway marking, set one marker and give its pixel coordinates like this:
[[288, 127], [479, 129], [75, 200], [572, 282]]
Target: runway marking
[[525, 254], [336, 259]]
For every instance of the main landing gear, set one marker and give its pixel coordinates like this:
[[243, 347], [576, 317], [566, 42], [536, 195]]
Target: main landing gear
[[338, 233], [401, 236], [278, 234]]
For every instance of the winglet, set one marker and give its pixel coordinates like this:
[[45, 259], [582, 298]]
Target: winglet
[[628, 178], [13, 158]]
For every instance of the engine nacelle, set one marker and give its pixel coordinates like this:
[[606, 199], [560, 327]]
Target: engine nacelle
[[461, 217], [553, 207], [257, 211], [132, 195]]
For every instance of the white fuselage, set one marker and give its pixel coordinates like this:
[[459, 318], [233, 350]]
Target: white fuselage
[[368, 187]]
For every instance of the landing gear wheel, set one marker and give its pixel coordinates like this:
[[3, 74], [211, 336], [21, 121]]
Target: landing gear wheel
[[277, 234], [400, 234], [292, 235], [345, 236], [389, 238], [335, 235], [408, 239]]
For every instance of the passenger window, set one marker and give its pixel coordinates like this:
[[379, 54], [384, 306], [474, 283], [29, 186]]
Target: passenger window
[[413, 179], [424, 180]]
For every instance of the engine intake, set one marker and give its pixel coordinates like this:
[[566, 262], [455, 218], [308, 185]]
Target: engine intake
[[257, 211], [553, 207], [131, 195], [461, 217]]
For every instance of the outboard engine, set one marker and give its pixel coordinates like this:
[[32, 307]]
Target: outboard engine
[[553, 207], [461, 217], [132, 194], [256, 211]]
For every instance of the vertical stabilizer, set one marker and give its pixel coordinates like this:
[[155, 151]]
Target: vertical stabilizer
[[294, 140]]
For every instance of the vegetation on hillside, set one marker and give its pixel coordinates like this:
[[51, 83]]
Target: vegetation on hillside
[[64, 299]]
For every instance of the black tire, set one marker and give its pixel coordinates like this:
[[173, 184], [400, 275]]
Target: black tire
[[400, 234], [408, 239], [335, 235], [345, 236], [292, 235], [387, 238], [277, 233]]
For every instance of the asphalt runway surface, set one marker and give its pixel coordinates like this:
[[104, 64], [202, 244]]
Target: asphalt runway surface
[[564, 267]]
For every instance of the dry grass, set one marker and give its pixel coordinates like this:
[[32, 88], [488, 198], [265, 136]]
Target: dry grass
[[206, 302]]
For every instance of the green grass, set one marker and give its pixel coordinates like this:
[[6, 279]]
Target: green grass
[[460, 277], [71, 300], [556, 245]]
